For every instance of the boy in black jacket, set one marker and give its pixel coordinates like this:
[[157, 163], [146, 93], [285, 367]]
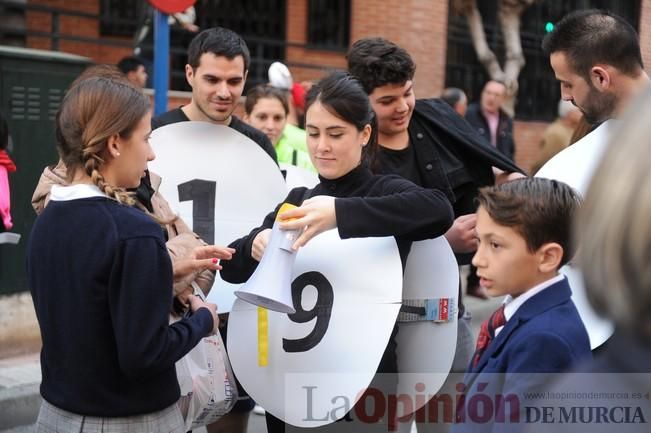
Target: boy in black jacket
[[428, 143]]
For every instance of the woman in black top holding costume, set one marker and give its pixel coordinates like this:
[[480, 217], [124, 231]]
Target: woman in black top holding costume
[[341, 141]]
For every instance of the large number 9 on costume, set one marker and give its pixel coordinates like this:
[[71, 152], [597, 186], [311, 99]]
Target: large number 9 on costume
[[347, 295]]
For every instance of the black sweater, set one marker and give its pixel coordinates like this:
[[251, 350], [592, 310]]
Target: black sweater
[[367, 205], [101, 280]]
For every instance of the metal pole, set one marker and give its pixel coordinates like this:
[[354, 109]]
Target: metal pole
[[161, 61]]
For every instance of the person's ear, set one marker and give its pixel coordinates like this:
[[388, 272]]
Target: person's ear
[[189, 75], [246, 74], [366, 134], [549, 257], [600, 77], [113, 145]]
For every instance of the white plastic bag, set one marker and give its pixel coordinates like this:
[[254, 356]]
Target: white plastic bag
[[208, 389]]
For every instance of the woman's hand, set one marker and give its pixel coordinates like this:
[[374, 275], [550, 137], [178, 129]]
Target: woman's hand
[[201, 258], [260, 243], [314, 216], [196, 302]]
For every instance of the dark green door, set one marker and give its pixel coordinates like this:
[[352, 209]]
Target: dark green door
[[32, 83]]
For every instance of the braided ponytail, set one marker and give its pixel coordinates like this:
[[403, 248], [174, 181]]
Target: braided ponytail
[[94, 110], [119, 194]]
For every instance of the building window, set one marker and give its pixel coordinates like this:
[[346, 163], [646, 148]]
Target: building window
[[121, 17], [539, 92], [260, 22], [328, 24]]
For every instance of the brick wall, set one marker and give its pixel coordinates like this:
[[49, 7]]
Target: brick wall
[[297, 33], [527, 137], [418, 26], [176, 99], [76, 26]]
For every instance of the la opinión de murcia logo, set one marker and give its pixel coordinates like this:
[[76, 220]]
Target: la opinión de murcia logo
[[374, 405]]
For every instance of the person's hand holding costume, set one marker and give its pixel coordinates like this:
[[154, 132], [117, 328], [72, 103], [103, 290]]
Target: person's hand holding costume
[[314, 216]]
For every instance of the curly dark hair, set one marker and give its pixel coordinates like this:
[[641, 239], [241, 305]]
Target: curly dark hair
[[376, 62]]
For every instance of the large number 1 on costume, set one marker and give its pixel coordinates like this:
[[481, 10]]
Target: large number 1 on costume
[[219, 181]]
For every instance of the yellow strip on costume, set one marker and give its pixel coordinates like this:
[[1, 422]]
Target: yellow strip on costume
[[263, 337], [263, 316]]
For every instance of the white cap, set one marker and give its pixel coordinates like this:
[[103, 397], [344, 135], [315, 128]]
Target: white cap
[[279, 76]]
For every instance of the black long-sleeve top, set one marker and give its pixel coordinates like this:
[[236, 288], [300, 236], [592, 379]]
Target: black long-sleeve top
[[366, 205]]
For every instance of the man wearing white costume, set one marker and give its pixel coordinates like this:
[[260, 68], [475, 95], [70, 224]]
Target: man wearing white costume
[[218, 64], [596, 57]]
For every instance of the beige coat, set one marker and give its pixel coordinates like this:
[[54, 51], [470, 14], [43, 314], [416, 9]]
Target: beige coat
[[181, 241]]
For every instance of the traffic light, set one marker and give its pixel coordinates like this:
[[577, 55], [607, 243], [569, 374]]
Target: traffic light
[[549, 26]]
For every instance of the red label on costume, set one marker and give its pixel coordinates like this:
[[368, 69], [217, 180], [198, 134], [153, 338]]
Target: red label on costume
[[444, 309]]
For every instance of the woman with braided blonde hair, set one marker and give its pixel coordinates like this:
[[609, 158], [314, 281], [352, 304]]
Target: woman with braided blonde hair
[[92, 136], [101, 277], [182, 243]]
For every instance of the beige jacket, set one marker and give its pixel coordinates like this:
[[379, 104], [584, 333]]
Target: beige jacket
[[181, 241]]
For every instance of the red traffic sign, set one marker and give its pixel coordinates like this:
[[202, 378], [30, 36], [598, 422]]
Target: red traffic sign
[[171, 6]]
